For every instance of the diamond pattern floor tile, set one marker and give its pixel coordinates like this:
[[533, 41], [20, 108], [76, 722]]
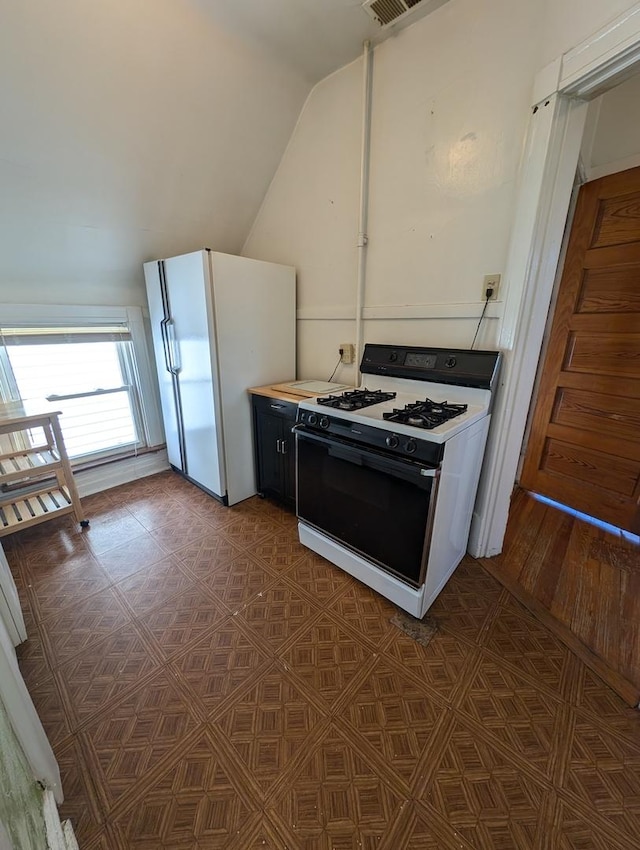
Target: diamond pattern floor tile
[[205, 555], [114, 525], [575, 830], [269, 726], [338, 799], [139, 731], [153, 511], [50, 707], [193, 802], [34, 664], [606, 708], [366, 612], [523, 717], [420, 828], [320, 579], [216, 666], [529, 646], [242, 693], [279, 551], [483, 795], [440, 665], [237, 582], [153, 586], [80, 804], [53, 594], [182, 620], [604, 774], [175, 536], [77, 628], [326, 658], [54, 542], [124, 560], [277, 613], [396, 717], [105, 671], [248, 530]]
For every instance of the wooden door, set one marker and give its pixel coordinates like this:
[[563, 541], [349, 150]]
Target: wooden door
[[584, 448]]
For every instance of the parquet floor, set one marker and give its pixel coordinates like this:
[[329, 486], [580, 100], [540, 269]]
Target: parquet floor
[[208, 683]]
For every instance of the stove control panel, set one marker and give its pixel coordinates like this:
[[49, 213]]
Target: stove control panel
[[367, 435], [460, 366]]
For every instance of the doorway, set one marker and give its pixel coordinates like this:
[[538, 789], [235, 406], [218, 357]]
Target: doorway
[[584, 446]]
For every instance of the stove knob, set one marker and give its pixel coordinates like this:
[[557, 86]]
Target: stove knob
[[393, 356], [324, 421], [392, 441], [312, 419], [411, 446], [450, 362]]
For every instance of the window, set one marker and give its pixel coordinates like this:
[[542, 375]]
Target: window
[[89, 368]]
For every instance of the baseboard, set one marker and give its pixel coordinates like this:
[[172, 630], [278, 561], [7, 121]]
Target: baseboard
[[117, 472]]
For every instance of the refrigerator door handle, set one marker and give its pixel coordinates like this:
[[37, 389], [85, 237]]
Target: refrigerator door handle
[[165, 344], [167, 349], [171, 338]]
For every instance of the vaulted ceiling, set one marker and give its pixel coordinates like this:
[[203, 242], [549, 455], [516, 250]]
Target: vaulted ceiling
[[148, 128]]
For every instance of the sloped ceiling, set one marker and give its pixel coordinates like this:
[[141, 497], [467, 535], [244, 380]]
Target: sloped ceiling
[[134, 129], [315, 37], [130, 130]]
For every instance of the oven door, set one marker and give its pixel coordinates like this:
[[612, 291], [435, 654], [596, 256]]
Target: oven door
[[377, 505]]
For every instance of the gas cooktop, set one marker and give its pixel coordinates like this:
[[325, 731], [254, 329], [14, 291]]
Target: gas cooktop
[[425, 414], [356, 399]]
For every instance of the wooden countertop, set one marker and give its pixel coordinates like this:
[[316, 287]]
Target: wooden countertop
[[276, 391], [282, 392]]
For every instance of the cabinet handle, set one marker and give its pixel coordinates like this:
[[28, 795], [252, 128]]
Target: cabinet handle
[[276, 406], [278, 447], [283, 447]]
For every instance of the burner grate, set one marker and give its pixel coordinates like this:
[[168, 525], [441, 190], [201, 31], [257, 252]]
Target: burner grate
[[356, 399], [426, 414]]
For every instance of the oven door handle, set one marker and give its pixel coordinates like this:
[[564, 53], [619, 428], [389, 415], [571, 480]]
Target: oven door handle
[[421, 476]]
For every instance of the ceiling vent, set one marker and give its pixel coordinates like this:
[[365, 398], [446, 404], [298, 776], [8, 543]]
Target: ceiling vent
[[386, 12]]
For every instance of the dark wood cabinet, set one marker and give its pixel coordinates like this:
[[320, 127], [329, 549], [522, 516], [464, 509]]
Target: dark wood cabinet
[[275, 445]]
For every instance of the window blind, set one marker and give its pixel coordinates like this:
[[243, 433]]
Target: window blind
[[51, 335]]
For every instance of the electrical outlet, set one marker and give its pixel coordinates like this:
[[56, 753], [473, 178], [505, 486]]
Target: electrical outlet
[[491, 281], [347, 353]]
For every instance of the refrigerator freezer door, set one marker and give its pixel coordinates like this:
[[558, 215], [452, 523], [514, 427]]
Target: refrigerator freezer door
[[165, 379], [190, 336]]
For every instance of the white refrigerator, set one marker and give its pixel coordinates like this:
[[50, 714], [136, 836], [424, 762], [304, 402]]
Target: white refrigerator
[[221, 324]]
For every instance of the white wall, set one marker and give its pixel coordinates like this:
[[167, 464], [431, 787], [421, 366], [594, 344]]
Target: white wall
[[450, 108], [130, 130], [566, 23], [612, 137]]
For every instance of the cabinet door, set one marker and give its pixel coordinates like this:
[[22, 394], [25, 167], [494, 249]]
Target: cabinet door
[[269, 458]]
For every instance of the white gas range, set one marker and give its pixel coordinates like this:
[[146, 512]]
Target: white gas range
[[387, 474]]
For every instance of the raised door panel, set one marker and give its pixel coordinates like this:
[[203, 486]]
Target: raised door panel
[[610, 290], [617, 221], [596, 469], [604, 354], [269, 436], [615, 416]]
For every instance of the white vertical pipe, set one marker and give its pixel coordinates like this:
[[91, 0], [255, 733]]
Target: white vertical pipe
[[364, 200]]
